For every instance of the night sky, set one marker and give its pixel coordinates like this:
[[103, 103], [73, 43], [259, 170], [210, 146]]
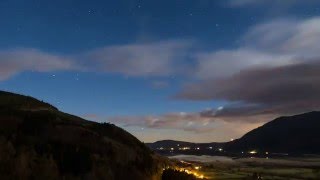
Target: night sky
[[193, 70]]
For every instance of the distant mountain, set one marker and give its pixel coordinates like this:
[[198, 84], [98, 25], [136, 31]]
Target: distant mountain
[[299, 134], [294, 134], [39, 142]]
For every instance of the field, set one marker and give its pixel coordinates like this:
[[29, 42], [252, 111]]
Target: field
[[213, 167]]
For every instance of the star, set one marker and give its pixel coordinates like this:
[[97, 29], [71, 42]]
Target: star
[[77, 77], [90, 11]]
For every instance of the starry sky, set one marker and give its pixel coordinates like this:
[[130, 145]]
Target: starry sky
[[192, 70]]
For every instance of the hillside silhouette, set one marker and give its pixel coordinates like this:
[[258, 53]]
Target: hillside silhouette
[[39, 142], [297, 134]]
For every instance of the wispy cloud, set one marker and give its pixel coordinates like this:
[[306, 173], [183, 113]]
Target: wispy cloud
[[299, 37], [162, 58], [228, 62], [141, 59], [15, 61]]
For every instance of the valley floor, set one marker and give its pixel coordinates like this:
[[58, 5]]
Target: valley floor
[[217, 167]]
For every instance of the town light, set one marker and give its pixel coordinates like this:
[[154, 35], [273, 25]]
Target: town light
[[253, 152]]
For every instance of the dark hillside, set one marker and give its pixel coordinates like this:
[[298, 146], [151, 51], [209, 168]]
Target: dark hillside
[[39, 142], [293, 134], [16, 101]]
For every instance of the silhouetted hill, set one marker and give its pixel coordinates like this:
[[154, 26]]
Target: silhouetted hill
[[295, 134], [39, 142]]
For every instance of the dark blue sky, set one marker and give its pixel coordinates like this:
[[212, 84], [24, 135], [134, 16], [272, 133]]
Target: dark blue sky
[[107, 60]]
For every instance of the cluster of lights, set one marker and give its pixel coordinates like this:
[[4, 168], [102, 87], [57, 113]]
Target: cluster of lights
[[211, 148], [200, 176], [172, 149], [187, 148], [256, 152], [196, 174]]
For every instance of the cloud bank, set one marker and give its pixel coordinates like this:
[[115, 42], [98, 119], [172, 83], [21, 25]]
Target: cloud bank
[[275, 71]]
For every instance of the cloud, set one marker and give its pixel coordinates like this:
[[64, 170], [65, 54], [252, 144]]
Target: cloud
[[158, 59], [299, 37], [227, 62], [13, 62], [142, 59], [280, 90]]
